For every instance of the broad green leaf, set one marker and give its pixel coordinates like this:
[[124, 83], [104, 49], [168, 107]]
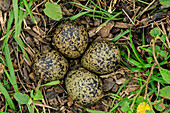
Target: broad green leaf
[[165, 2], [125, 104], [155, 32], [125, 107], [165, 92], [149, 59], [163, 37], [30, 108], [159, 105], [21, 98], [165, 74], [140, 99], [53, 11], [38, 95]]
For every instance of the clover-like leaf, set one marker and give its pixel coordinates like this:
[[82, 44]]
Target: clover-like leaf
[[165, 92], [165, 75], [165, 2], [155, 32], [53, 11], [21, 98]]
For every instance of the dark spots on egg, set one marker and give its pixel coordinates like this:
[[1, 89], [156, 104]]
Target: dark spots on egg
[[84, 87], [102, 57], [50, 65], [71, 39]]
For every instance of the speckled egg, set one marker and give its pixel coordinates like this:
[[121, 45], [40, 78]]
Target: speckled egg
[[84, 87], [102, 57], [71, 39], [50, 65]]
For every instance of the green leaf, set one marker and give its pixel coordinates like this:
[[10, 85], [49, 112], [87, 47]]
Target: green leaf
[[38, 95], [165, 74], [53, 11], [125, 104], [21, 98], [140, 99], [149, 59], [155, 32], [125, 107], [30, 108], [165, 2], [159, 105], [165, 92], [147, 111], [163, 37]]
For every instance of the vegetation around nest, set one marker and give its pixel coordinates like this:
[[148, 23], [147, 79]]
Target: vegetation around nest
[[140, 28]]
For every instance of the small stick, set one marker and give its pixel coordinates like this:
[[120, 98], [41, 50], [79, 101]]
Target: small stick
[[151, 72], [128, 16], [164, 32], [41, 105]]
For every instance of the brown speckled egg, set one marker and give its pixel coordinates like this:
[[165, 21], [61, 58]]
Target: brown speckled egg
[[71, 39], [50, 65], [102, 57], [84, 87]]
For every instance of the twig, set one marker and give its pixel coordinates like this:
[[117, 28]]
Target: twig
[[147, 81], [128, 16], [147, 8], [41, 105], [153, 52], [164, 32]]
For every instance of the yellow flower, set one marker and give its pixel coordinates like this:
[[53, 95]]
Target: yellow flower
[[142, 107]]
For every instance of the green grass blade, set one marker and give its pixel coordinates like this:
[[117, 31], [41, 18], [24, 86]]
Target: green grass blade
[[5, 37], [133, 69], [143, 2], [143, 37], [10, 20], [134, 50], [29, 10], [94, 111], [18, 29], [78, 15], [7, 97], [106, 12], [15, 7], [134, 62], [10, 67], [120, 35], [98, 16]]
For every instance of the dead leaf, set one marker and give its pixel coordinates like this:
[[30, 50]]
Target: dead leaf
[[70, 102], [120, 81], [105, 31], [1, 68]]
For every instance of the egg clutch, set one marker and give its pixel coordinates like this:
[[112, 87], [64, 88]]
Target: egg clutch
[[71, 40]]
